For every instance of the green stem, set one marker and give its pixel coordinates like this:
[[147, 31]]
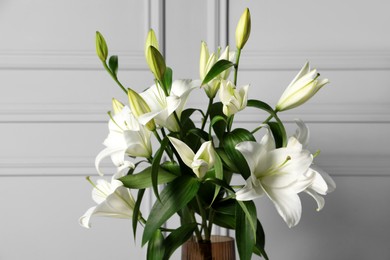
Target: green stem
[[114, 77], [207, 112], [261, 126], [167, 149], [236, 66], [204, 219]]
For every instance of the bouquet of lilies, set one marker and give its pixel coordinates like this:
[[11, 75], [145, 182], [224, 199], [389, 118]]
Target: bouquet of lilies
[[194, 170]]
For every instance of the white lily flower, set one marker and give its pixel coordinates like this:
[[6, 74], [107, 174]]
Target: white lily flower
[[322, 183], [301, 88], [207, 60], [279, 174], [113, 200], [200, 162], [126, 137], [233, 99], [162, 107]]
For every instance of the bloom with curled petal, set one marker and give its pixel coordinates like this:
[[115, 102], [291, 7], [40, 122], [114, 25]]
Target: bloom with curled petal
[[163, 107], [113, 200], [280, 174], [233, 99], [322, 183], [200, 162], [126, 137]]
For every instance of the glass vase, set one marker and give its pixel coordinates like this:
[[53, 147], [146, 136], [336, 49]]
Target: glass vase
[[219, 248]]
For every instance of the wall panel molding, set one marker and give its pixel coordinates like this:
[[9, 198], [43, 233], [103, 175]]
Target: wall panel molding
[[326, 60], [364, 165], [68, 59], [96, 112]]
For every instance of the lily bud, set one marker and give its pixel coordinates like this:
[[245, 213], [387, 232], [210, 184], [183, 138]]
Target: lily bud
[[139, 107], [155, 62], [117, 106], [101, 47], [301, 89], [151, 40], [243, 29], [204, 58]]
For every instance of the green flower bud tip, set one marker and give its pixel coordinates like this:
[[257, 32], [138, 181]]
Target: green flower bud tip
[[151, 40], [155, 62], [243, 29], [101, 47]]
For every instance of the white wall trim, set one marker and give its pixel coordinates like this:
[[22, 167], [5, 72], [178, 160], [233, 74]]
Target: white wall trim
[[217, 24], [326, 60], [96, 112], [85, 60], [365, 165]]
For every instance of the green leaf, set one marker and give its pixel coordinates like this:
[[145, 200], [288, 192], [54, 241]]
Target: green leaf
[[167, 79], [113, 64], [136, 211], [218, 168], [260, 241], [230, 141], [219, 126], [225, 159], [225, 213], [199, 133], [143, 179], [219, 67], [282, 135], [246, 221], [156, 165], [156, 246], [174, 197], [172, 167], [277, 132], [261, 105], [177, 238]]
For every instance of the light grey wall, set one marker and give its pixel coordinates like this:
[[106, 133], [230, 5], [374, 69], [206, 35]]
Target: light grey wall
[[55, 96]]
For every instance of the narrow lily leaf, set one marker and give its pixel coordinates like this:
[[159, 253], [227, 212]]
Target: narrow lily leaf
[[230, 141], [167, 79], [219, 67], [261, 105], [143, 179], [156, 165], [136, 211], [249, 208], [277, 132], [113, 64], [186, 114], [171, 167], [177, 238], [220, 183], [225, 213], [199, 133], [218, 168], [260, 242], [225, 159], [245, 228], [174, 197], [219, 126], [264, 106], [156, 246]]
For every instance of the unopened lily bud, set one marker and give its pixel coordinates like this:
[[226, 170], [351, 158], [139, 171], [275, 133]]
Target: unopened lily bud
[[139, 107], [117, 106], [204, 58], [101, 47], [155, 62], [243, 29], [304, 86], [151, 40]]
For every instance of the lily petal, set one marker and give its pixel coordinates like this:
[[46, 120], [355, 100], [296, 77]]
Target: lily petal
[[250, 191], [185, 152]]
